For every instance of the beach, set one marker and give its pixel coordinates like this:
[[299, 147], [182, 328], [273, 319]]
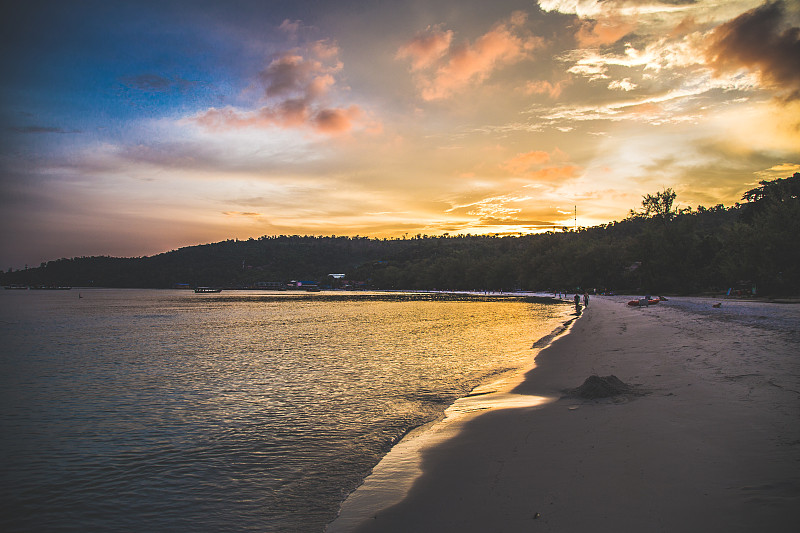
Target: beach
[[705, 438]]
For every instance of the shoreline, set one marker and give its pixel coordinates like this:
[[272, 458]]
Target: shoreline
[[709, 442], [392, 478]]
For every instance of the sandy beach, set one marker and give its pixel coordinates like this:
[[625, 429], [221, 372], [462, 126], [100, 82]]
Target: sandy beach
[[706, 439]]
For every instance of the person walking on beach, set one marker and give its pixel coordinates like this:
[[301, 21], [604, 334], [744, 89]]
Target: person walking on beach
[[586, 299], [577, 304]]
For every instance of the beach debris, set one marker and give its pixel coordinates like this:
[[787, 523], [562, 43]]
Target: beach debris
[[595, 387], [717, 305], [537, 515]]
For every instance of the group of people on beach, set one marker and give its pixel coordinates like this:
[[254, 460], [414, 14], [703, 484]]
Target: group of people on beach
[[577, 299]]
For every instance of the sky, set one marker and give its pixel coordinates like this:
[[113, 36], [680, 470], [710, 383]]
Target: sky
[[131, 128]]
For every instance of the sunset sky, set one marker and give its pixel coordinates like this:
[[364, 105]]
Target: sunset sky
[[133, 128]]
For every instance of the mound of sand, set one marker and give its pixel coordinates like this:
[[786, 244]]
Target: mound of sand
[[595, 387]]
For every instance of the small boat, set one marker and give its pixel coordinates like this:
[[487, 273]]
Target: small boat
[[206, 290], [644, 302]]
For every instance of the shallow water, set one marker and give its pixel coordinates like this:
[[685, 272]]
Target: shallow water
[[145, 410]]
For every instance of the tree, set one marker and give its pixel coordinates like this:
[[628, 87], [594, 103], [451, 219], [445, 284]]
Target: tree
[[769, 194], [660, 205], [779, 190]]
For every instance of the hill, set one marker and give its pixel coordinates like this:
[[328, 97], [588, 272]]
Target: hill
[[657, 249]]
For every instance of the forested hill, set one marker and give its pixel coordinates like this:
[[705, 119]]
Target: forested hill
[[657, 249]]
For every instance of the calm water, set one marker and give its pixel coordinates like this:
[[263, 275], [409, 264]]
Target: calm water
[[134, 410]]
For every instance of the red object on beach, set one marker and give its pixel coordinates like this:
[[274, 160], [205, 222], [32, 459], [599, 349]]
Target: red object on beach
[[636, 303]]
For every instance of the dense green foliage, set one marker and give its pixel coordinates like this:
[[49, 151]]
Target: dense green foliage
[[658, 249]]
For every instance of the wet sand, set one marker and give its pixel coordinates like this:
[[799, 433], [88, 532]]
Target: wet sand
[[709, 440]]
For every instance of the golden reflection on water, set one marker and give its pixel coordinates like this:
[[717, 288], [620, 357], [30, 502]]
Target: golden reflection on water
[[249, 405]]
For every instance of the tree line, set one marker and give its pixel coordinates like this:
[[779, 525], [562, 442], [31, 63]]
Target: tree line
[[657, 248]]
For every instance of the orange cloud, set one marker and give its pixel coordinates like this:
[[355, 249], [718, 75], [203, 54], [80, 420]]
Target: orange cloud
[[545, 87], [551, 174], [684, 27], [454, 68], [601, 32], [426, 47], [332, 121], [646, 109], [325, 50], [523, 162]]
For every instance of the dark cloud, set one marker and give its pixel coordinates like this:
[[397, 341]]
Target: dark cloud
[[288, 74], [760, 40], [297, 83], [336, 120]]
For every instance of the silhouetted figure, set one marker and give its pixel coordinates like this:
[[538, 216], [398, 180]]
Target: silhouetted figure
[[577, 304]]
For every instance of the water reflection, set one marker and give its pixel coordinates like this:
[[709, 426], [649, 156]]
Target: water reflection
[[165, 410]]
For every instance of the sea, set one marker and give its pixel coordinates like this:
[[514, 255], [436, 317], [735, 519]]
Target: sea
[[166, 410]]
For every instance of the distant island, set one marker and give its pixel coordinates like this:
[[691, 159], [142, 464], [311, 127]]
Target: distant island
[[751, 248]]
